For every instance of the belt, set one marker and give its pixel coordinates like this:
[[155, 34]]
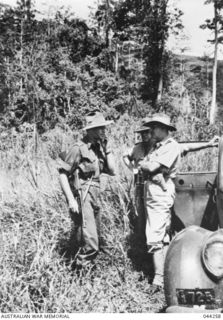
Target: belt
[[94, 181], [166, 179]]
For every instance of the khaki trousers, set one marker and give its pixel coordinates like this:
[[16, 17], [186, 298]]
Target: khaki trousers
[[158, 204], [87, 227]]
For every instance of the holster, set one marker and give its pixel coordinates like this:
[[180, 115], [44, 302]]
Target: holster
[[75, 188]]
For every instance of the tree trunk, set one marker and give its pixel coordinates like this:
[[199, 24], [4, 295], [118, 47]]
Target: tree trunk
[[207, 93], [116, 58], [161, 12], [214, 74], [21, 54], [182, 69], [160, 88], [107, 24]]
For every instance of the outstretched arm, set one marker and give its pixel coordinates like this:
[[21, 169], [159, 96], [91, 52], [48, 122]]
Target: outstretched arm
[[200, 145]]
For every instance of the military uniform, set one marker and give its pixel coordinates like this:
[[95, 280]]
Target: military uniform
[[90, 161], [158, 202]]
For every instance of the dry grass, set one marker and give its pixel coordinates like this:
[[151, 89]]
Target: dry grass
[[37, 272], [36, 264]]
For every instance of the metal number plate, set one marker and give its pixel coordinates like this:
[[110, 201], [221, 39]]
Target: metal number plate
[[196, 296]]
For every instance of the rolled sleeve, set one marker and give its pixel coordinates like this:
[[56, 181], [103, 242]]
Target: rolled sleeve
[[168, 154], [69, 160]]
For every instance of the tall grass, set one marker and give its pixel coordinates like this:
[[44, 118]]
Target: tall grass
[[36, 259]]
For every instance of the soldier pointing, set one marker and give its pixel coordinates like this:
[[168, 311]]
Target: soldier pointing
[[164, 158]]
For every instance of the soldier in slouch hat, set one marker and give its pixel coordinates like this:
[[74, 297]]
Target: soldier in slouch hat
[[80, 182], [164, 159]]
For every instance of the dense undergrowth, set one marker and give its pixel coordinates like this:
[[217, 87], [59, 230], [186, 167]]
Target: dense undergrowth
[[37, 273]]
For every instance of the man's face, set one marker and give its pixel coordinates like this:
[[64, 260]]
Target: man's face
[[97, 133], [146, 136], [159, 132]]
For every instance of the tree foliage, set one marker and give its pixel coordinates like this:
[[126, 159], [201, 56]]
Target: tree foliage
[[56, 69], [146, 24]]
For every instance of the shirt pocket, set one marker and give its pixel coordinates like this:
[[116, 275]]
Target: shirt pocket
[[88, 164]]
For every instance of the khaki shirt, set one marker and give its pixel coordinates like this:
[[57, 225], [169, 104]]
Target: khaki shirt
[[89, 158], [168, 154]]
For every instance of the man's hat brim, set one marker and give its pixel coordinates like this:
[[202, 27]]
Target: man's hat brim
[[101, 124], [151, 122], [142, 129]]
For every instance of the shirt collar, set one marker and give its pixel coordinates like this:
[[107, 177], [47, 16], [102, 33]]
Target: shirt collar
[[163, 142], [88, 141]]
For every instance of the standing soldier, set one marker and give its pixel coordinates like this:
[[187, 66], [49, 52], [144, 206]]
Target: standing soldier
[[131, 159], [80, 182], [164, 159]]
